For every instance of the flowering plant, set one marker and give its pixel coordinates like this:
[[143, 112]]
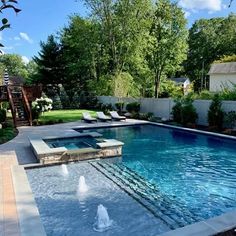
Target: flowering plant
[[42, 104]]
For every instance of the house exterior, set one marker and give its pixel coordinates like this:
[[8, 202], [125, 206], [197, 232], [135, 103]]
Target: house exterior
[[184, 82], [222, 75]]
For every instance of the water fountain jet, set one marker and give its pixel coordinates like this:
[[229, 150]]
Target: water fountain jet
[[65, 171], [103, 221], [82, 186]]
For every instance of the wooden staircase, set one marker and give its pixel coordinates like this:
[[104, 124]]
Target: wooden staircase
[[19, 104]]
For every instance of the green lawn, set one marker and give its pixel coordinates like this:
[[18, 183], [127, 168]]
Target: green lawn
[[65, 115]]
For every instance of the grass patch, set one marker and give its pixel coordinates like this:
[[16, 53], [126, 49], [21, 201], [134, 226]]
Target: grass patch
[[63, 116]]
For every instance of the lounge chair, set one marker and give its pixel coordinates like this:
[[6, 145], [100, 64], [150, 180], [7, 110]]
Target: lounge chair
[[87, 117], [101, 116], [116, 116]]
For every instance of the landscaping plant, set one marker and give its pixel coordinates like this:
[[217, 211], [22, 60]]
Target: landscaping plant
[[133, 107], [3, 115], [215, 113], [119, 106], [184, 112]]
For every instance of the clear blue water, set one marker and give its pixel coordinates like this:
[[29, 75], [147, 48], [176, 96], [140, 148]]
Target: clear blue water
[[71, 143], [64, 212], [185, 177], [197, 171]]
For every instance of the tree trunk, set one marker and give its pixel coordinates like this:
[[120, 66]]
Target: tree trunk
[[157, 83]]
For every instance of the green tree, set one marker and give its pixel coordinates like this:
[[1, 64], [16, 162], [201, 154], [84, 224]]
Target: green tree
[[209, 40], [82, 55], [50, 63], [168, 42], [32, 69], [14, 64], [123, 28]]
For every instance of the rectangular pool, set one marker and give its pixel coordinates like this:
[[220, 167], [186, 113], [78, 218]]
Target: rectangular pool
[[194, 170], [167, 178]]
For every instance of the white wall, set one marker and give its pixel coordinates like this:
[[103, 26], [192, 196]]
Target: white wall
[[219, 81], [162, 107]]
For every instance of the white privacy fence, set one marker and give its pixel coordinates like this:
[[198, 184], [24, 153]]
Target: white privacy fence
[[162, 107]]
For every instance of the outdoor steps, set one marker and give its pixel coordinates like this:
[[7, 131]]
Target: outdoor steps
[[169, 211]]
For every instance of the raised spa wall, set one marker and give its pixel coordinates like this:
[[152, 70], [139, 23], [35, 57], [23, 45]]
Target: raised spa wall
[[104, 149]]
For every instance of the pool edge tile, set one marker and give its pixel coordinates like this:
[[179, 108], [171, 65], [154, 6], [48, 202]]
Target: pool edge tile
[[196, 229]]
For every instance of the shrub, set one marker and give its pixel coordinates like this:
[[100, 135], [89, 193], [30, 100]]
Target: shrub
[[106, 108], [57, 105], [3, 115], [146, 116], [184, 112], [133, 107], [119, 106], [215, 112], [35, 113]]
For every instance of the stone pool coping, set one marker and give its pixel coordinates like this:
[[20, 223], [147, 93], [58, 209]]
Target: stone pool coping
[[28, 214]]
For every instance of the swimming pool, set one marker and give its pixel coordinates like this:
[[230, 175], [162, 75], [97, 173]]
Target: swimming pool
[[173, 178], [196, 171], [72, 143]]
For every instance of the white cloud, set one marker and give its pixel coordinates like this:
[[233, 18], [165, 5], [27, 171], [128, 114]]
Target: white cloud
[[17, 38], [187, 14], [25, 59], [210, 5], [26, 37]]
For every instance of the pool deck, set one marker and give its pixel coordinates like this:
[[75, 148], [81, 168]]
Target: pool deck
[[14, 198]]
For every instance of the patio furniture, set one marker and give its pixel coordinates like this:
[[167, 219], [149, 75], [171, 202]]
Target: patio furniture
[[87, 117], [116, 116], [102, 117]]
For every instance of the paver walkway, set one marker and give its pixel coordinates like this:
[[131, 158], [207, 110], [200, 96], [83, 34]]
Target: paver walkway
[[9, 224]]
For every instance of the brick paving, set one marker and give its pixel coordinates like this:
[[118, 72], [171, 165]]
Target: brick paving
[[9, 224]]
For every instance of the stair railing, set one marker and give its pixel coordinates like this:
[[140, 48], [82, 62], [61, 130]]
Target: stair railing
[[26, 106], [13, 110]]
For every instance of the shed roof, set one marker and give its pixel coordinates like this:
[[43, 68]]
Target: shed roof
[[223, 68], [179, 80]]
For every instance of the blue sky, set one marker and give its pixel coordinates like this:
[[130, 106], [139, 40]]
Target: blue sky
[[39, 18]]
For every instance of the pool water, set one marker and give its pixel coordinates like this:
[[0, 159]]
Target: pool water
[[65, 212], [196, 171], [71, 143]]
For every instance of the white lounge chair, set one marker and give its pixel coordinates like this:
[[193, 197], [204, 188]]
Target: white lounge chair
[[87, 117], [116, 116], [101, 116]]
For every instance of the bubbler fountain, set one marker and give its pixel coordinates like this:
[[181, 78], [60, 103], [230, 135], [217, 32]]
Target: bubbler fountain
[[82, 186], [103, 222], [64, 169]]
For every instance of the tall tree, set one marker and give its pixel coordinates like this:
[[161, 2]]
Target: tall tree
[[14, 64], [81, 54], [49, 61], [168, 43], [209, 40]]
